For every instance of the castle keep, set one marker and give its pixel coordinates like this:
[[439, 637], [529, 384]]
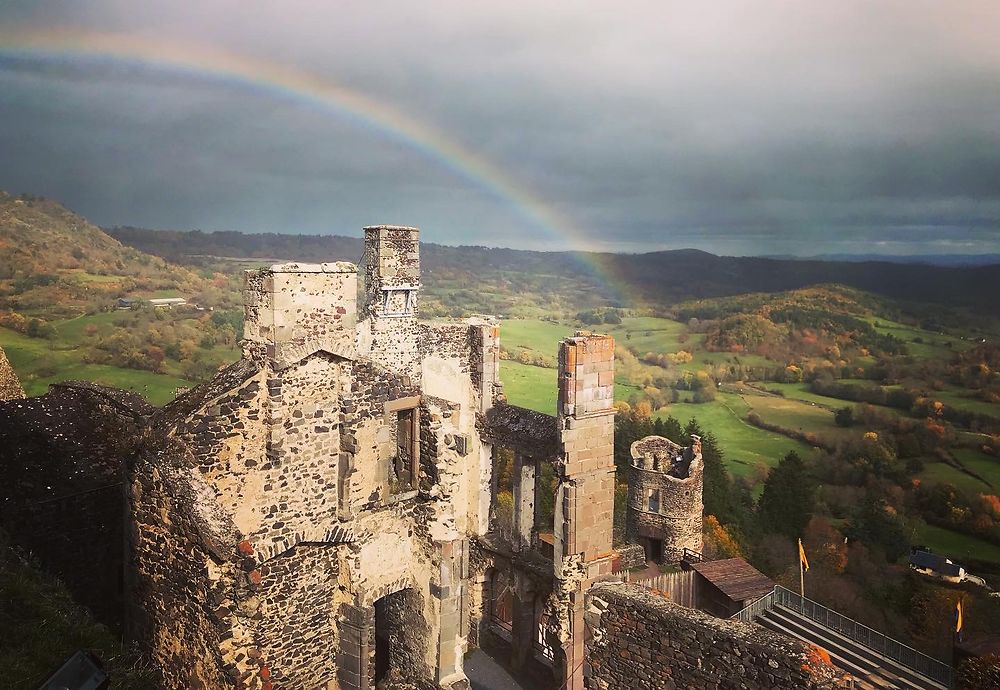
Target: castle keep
[[665, 506]]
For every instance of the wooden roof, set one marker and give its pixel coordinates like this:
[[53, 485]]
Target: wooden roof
[[735, 578]]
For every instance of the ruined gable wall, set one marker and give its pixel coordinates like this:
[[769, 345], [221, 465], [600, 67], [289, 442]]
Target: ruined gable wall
[[227, 434], [270, 448], [179, 597], [10, 387], [642, 641]]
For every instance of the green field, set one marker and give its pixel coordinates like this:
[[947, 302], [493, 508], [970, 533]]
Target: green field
[[797, 415], [960, 400], [535, 387], [539, 337], [983, 465], [800, 391], [40, 362], [958, 546], [744, 445], [932, 345], [943, 473], [528, 386], [72, 330], [648, 334]]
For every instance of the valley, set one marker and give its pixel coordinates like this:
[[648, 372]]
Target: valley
[[892, 405]]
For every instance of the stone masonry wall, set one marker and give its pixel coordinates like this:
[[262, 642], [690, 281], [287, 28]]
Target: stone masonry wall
[[676, 515], [178, 609], [61, 498], [296, 631], [642, 641], [295, 309], [10, 387]]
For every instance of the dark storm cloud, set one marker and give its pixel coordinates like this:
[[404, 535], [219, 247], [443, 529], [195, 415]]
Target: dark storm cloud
[[765, 127]]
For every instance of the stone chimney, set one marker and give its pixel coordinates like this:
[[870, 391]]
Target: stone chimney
[[292, 310], [390, 272], [387, 310]]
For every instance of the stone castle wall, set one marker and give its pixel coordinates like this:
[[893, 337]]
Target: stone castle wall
[[179, 605], [61, 498], [10, 387], [642, 641]]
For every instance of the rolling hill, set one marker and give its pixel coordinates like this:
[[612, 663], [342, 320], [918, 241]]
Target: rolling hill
[[653, 279], [54, 264]]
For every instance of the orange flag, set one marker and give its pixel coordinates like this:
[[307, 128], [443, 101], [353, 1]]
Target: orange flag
[[803, 561], [958, 616]]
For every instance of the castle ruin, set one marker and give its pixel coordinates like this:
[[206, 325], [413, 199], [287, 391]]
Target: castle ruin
[[329, 496], [324, 513], [665, 508]]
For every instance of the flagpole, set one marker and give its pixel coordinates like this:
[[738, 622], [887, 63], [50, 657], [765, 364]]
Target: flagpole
[[802, 572], [802, 580]]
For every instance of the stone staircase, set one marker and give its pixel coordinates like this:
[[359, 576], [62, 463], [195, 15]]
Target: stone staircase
[[875, 661], [870, 670]]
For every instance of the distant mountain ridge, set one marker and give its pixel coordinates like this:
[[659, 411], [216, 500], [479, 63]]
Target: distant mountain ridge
[[930, 259], [654, 278]]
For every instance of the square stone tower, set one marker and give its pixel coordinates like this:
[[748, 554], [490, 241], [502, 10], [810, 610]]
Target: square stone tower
[[390, 281]]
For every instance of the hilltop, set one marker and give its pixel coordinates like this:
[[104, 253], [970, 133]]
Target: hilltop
[[60, 281], [54, 264], [571, 281]]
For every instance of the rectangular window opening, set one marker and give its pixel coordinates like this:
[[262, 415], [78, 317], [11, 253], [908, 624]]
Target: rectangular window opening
[[403, 472]]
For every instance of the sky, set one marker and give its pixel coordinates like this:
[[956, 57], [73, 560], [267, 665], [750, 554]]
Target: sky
[[760, 127]]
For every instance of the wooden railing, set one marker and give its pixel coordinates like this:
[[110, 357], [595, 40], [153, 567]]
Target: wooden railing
[[691, 556]]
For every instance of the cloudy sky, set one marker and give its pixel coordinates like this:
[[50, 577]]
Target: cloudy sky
[[754, 127]]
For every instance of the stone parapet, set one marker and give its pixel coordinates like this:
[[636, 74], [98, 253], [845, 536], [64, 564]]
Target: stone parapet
[[642, 641]]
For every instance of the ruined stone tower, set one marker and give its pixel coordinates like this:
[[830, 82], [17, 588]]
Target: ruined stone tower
[[585, 501], [665, 498]]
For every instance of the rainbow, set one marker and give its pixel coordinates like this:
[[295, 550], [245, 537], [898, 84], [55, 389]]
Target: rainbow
[[282, 81]]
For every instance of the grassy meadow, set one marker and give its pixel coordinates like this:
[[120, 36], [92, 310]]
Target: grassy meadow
[[39, 363], [955, 544], [749, 449]]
